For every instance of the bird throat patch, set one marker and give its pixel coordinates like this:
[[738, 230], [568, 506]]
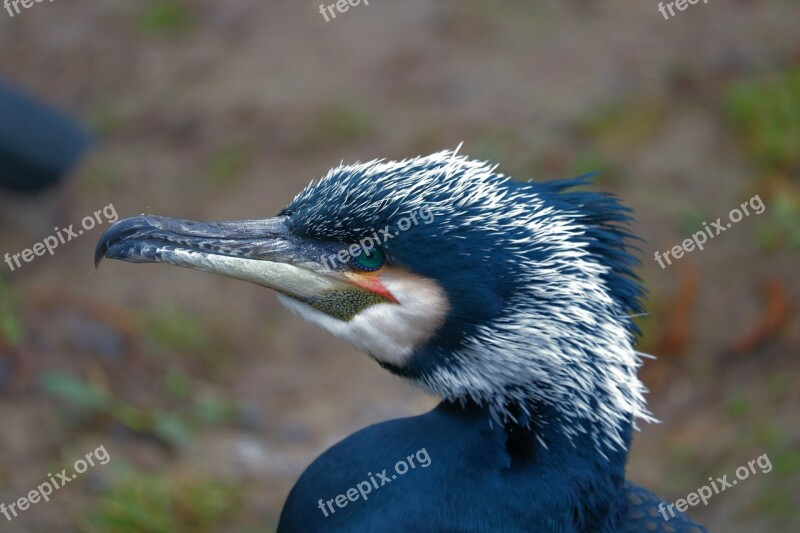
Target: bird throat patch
[[345, 304]]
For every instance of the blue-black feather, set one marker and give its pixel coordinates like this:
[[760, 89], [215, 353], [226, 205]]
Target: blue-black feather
[[534, 359]]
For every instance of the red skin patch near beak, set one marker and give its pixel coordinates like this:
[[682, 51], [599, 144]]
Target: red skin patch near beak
[[371, 282]]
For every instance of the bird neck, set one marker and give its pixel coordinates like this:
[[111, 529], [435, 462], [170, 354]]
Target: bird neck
[[582, 436], [569, 470], [588, 398], [544, 433], [549, 428]]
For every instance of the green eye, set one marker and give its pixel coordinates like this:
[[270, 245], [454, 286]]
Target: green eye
[[369, 259]]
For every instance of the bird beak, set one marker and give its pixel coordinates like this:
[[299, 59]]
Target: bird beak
[[263, 252]]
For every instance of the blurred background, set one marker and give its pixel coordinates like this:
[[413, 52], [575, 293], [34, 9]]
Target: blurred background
[[211, 399]]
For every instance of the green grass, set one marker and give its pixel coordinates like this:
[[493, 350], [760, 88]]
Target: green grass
[[171, 422], [780, 226], [103, 173], [166, 17], [338, 124], [143, 503], [170, 332], [623, 126], [428, 138], [181, 344], [777, 497], [587, 161], [175, 330], [494, 146], [106, 118], [787, 463], [94, 402], [779, 387], [229, 163], [766, 114], [690, 219], [779, 505], [739, 406], [11, 330], [177, 383]]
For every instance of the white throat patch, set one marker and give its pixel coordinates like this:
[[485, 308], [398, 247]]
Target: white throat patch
[[388, 332]]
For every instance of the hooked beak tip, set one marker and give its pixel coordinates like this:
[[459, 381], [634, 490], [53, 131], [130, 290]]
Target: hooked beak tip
[[116, 233]]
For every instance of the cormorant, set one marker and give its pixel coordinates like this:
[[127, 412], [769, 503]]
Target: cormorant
[[38, 143], [511, 301]]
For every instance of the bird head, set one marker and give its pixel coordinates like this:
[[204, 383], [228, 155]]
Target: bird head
[[513, 295]]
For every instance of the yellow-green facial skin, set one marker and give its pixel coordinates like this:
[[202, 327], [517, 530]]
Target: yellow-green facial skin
[[345, 304]]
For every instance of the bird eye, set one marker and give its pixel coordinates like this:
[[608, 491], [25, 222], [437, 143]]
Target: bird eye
[[369, 259]]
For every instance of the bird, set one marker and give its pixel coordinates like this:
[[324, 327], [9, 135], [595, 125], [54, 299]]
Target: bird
[[39, 144], [511, 301]]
